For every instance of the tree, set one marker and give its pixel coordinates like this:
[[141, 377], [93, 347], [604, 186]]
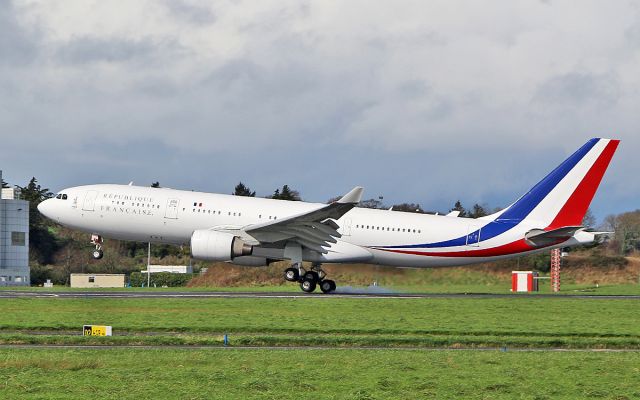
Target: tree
[[627, 236], [371, 203], [478, 211], [408, 207], [242, 190], [286, 193], [42, 243], [333, 199], [589, 220], [458, 207], [155, 184], [34, 194]]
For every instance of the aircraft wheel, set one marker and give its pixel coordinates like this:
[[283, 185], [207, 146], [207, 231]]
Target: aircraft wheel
[[327, 286], [97, 254], [308, 285], [312, 276], [291, 274]]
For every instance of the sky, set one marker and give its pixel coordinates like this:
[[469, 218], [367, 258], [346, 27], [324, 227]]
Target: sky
[[418, 101]]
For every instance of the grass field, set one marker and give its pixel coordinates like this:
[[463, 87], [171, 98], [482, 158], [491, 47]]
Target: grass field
[[316, 374], [343, 369], [521, 321]]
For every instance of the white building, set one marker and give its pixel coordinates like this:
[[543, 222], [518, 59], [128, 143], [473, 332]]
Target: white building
[[14, 239], [97, 280], [176, 269]]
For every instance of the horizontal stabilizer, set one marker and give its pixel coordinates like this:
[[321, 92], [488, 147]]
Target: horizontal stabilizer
[[541, 238]]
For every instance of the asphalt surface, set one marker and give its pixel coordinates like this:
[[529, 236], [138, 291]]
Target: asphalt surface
[[354, 294]]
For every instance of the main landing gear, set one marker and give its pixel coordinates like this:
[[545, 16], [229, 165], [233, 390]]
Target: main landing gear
[[311, 279], [97, 241]]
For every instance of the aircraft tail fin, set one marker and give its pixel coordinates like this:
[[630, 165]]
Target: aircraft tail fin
[[562, 198]]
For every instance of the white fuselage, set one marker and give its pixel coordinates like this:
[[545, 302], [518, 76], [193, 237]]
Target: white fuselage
[[161, 215]]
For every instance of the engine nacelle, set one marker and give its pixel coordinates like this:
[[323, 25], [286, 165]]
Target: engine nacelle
[[218, 246], [250, 261]]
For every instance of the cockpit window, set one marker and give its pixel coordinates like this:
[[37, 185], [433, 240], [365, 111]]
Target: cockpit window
[[61, 196], [64, 197]]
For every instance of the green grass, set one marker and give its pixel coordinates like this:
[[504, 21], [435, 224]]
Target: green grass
[[501, 287], [315, 374], [520, 321]]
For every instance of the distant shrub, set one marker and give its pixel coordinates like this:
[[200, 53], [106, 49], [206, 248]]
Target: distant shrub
[[600, 260], [159, 279]]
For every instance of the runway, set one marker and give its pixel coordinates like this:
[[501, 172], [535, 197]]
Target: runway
[[352, 294]]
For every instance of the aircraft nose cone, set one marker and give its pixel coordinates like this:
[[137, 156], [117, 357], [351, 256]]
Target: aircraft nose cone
[[45, 208]]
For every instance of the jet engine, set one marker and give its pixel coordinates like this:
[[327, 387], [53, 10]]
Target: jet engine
[[218, 246], [251, 261]]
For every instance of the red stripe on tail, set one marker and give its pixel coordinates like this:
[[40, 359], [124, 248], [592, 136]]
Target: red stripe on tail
[[576, 207]]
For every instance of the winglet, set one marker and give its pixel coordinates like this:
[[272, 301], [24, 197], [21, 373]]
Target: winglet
[[353, 197]]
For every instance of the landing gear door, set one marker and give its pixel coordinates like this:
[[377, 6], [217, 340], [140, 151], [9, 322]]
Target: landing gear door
[[172, 209], [473, 235], [90, 201]]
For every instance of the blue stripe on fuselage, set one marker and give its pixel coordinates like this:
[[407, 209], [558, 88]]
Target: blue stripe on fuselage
[[518, 211]]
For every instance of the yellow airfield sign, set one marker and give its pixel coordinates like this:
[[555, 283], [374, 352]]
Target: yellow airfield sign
[[96, 330]]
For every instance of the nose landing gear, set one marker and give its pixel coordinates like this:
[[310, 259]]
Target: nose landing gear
[[97, 241], [311, 279]]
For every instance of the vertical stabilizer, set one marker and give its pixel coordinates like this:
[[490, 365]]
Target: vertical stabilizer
[[563, 197]]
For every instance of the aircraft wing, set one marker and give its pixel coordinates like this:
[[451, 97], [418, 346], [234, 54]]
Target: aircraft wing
[[313, 229]]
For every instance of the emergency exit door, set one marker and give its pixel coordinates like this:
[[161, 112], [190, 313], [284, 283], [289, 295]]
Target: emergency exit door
[[172, 209]]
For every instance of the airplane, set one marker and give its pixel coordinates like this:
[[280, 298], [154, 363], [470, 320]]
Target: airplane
[[254, 231]]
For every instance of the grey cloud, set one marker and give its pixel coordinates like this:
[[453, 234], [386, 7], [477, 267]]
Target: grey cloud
[[578, 89], [189, 12], [95, 49], [17, 43]]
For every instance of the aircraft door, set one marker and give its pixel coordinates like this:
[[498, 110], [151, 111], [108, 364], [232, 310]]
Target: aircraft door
[[172, 209], [473, 235], [90, 200], [346, 227]]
